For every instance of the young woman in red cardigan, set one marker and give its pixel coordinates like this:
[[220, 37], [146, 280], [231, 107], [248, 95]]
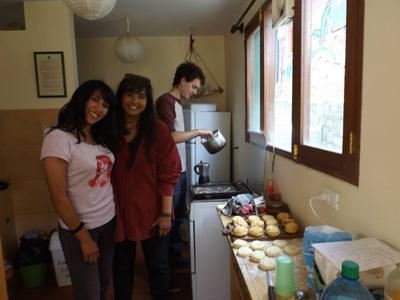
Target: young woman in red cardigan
[[147, 168]]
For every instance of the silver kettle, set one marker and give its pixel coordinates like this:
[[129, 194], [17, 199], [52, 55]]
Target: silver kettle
[[214, 143], [202, 169]]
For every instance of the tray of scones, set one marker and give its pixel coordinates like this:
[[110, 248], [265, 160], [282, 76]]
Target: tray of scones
[[264, 227], [264, 253]]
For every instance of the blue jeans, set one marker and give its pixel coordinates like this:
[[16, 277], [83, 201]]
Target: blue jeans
[[180, 211]]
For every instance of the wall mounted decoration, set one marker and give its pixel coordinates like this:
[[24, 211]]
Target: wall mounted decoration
[[50, 74]]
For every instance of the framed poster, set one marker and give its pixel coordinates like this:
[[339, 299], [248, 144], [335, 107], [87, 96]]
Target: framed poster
[[50, 74]]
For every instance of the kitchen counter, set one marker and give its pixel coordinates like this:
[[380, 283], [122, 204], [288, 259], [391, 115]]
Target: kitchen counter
[[248, 282]]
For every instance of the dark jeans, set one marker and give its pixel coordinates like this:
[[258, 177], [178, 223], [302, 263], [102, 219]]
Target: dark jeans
[[180, 211], [90, 281], [155, 252]]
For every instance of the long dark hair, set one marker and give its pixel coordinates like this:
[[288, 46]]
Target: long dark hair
[[146, 124], [71, 117]]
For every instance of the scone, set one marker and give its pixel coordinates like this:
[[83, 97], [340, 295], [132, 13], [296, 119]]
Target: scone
[[272, 251], [288, 220], [282, 216], [236, 219], [257, 255], [239, 243], [241, 223], [291, 227], [256, 231], [267, 217], [257, 245], [271, 222], [253, 218], [291, 250], [272, 231], [267, 264], [259, 223], [240, 231], [244, 251], [279, 243]]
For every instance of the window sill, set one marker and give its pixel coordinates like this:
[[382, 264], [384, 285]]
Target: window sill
[[257, 138]]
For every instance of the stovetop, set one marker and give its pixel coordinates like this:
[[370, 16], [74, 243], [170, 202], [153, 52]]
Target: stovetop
[[218, 190]]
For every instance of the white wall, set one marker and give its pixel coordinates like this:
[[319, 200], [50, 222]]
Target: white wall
[[372, 208], [49, 27], [96, 59]]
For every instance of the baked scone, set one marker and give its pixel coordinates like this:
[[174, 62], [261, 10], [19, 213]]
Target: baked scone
[[256, 231], [257, 255], [267, 217], [257, 245], [244, 251], [241, 223], [291, 250], [279, 243], [259, 223], [282, 216], [288, 220], [253, 218], [240, 231], [272, 251], [291, 227], [235, 219], [272, 231], [239, 243], [271, 222], [267, 264]]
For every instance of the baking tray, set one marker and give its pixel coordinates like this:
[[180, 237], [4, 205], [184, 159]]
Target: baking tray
[[218, 190], [282, 236]]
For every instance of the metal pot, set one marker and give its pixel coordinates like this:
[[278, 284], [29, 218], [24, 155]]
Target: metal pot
[[214, 143]]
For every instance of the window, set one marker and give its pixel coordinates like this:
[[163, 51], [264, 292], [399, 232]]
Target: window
[[310, 85], [254, 105]]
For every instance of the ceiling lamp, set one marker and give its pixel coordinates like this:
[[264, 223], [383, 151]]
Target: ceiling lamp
[[127, 47], [91, 9]]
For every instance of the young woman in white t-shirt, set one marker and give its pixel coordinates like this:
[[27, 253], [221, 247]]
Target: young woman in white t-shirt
[[77, 158]]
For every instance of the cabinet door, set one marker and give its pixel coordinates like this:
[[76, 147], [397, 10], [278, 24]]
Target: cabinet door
[[211, 270], [3, 286]]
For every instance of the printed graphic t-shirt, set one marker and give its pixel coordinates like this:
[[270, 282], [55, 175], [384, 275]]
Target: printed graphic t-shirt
[[88, 176]]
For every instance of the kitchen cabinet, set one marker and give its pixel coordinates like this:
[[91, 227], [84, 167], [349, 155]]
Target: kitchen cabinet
[[3, 285], [210, 253]]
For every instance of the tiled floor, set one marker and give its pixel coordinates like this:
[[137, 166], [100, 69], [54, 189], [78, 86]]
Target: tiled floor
[[50, 291]]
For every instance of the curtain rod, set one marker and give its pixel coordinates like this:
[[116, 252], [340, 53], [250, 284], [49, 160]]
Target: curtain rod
[[239, 24]]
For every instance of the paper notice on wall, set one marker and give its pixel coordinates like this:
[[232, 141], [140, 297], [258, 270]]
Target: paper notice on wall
[[369, 253]]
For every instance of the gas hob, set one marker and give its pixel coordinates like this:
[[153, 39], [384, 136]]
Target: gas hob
[[218, 190]]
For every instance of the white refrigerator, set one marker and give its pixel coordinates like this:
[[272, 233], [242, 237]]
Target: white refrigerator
[[219, 170]]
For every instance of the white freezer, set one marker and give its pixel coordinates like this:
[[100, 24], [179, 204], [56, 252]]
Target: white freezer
[[195, 152]]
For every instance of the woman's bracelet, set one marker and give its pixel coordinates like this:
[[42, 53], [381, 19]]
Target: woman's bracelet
[[165, 214], [77, 228]]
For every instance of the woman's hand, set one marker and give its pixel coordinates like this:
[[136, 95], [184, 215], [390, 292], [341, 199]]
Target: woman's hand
[[164, 225], [90, 251]]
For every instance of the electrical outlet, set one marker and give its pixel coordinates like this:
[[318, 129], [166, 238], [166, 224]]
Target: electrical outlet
[[330, 197]]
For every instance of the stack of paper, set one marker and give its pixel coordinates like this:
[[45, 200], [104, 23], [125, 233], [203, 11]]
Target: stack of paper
[[375, 259]]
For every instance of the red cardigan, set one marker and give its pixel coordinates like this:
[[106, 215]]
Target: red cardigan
[[138, 190]]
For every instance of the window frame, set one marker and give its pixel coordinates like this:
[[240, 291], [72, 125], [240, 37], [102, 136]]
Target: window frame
[[254, 136], [344, 166]]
